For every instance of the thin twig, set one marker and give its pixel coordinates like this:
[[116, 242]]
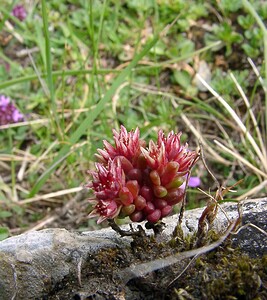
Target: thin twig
[[51, 195], [181, 273], [257, 73], [23, 165], [11, 29], [41, 80], [250, 225], [186, 185], [122, 233], [207, 168]]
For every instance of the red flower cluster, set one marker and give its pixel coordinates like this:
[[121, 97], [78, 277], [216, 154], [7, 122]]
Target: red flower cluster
[[142, 183]]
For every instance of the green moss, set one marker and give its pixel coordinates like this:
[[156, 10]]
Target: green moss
[[225, 273]]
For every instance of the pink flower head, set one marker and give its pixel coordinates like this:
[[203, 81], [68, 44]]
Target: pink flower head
[[111, 189], [169, 149], [143, 184], [107, 181], [194, 181], [19, 12], [8, 112], [106, 209], [155, 155], [175, 151], [127, 144]]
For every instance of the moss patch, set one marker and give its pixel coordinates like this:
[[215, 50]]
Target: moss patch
[[224, 273]]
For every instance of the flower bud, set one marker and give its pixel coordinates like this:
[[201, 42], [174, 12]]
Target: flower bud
[[175, 196], [150, 207], [160, 191], [133, 187], [126, 197], [135, 174], [169, 172], [154, 216], [166, 211], [147, 193], [137, 216], [127, 210], [155, 178], [140, 203], [160, 203], [125, 164], [175, 183], [141, 162]]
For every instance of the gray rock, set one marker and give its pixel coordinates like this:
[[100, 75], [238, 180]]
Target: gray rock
[[31, 264], [34, 263]]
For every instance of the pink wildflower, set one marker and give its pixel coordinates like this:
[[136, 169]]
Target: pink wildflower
[[107, 181], [8, 112], [127, 144], [175, 151], [142, 183], [19, 12], [194, 181], [105, 209]]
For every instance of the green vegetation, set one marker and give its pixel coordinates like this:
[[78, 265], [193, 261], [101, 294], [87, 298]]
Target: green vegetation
[[76, 69]]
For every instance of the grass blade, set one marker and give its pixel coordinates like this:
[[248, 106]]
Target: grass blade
[[261, 24], [92, 116], [252, 116], [49, 63], [55, 74], [237, 120], [241, 159]]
